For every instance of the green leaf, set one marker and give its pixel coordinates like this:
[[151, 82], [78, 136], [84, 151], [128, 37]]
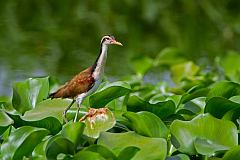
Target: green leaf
[[147, 124], [48, 108], [224, 89], [150, 148], [216, 132], [27, 94], [161, 109], [88, 155], [142, 64], [22, 142], [98, 120], [202, 92], [103, 151], [232, 154], [128, 153], [109, 93], [5, 121], [178, 157], [190, 108], [49, 123], [169, 56], [232, 57], [207, 147], [73, 132], [57, 145], [218, 107], [39, 151], [184, 70]]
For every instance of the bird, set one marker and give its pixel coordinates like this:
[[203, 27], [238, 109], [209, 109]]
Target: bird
[[87, 81]]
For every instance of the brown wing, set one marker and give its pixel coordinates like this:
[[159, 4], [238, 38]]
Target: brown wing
[[79, 84]]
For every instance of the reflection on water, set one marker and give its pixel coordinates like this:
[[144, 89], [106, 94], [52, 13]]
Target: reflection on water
[[20, 69]]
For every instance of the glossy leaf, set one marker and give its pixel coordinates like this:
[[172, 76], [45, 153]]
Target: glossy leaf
[[178, 157], [27, 94], [191, 106], [103, 151], [224, 89], [57, 145], [39, 151], [219, 106], [109, 93], [5, 121], [232, 154], [98, 120], [118, 141], [128, 153], [147, 124], [202, 92], [49, 123], [73, 131], [207, 147], [49, 108], [214, 131], [22, 142], [161, 109], [88, 155]]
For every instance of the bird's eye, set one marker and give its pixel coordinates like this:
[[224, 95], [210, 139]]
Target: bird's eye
[[107, 38]]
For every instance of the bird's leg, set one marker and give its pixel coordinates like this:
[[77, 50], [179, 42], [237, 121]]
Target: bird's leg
[[65, 111], [79, 101], [76, 115]]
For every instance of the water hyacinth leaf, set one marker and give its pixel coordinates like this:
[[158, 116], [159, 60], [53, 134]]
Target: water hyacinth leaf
[[88, 155], [49, 108], [169, 56], [22, 142], [184, 70], [5, 121], [232, 154], [218, 132], [161, 109], [178, 157], [190, 108], [219, 106], [103, 151], [59, 145], [207, 147], [118, 141], [147, 124], [50, 123], [202, 92], [27, 94], [232, 57], [224, 89], [108, 93], [142, 64], [98, 120], [128, 153], [39, 151], [73, 131]]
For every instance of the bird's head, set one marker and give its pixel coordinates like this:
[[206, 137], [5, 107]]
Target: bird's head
[[108, 39]]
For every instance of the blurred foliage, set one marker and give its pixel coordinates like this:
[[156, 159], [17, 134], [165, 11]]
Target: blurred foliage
[[61, 38]]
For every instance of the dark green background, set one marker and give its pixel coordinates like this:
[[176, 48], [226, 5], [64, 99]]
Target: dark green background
[[61, 37]]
